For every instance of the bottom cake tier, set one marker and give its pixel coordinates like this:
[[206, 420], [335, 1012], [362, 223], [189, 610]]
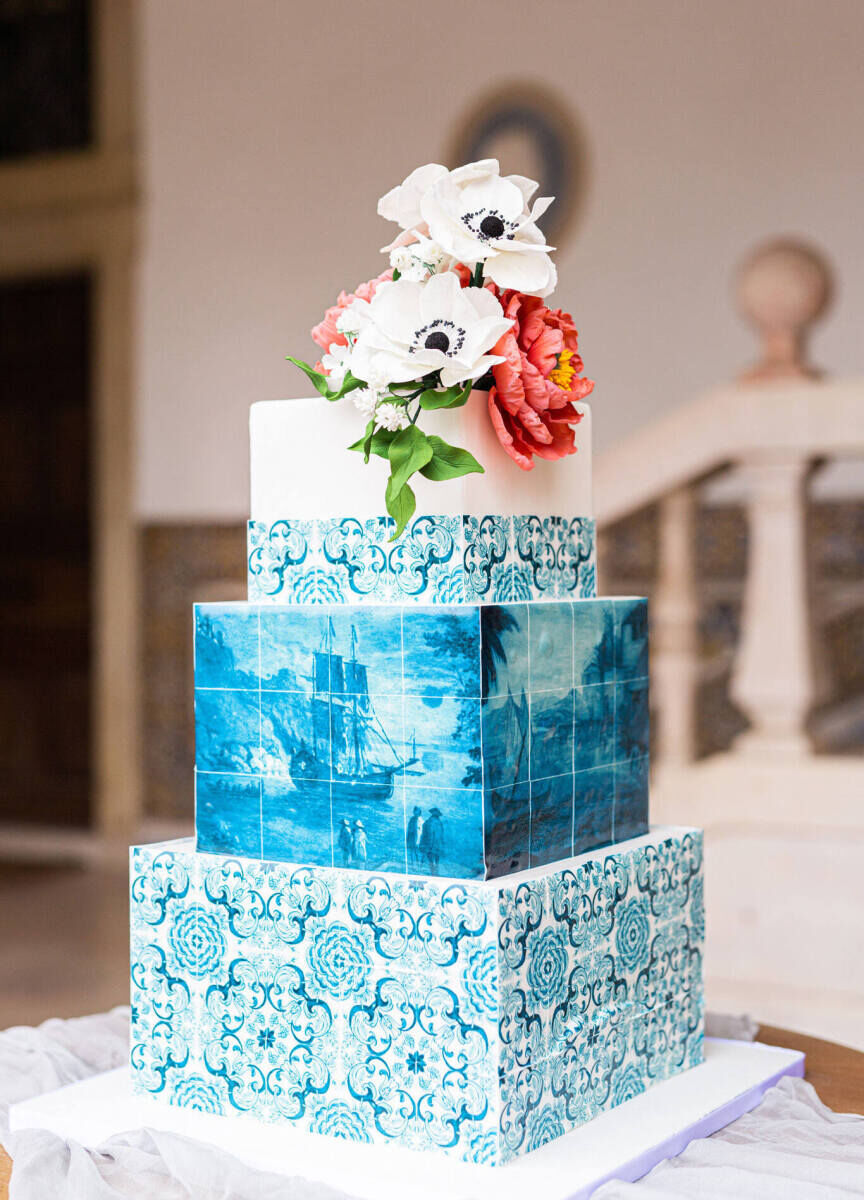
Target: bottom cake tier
[[477, 1019]]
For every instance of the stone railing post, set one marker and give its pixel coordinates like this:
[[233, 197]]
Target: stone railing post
[[773, 679], [783, 288], [675, 634]]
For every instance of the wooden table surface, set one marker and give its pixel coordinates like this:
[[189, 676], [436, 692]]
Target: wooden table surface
[[836, 1072]]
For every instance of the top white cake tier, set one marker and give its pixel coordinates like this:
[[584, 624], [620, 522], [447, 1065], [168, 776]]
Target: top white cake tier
[[302, 469]]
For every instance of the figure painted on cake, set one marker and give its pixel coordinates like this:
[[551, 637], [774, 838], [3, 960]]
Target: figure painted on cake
[[413, 838], [432, 840], [345, 841]]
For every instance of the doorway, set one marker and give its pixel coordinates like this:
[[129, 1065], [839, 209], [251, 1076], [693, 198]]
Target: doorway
[[45, 551]]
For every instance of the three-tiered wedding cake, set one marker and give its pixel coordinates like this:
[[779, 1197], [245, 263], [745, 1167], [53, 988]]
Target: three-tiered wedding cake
[[424, 905]]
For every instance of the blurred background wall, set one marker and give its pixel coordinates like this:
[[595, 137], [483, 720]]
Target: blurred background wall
[[269, 130], [185, 185]]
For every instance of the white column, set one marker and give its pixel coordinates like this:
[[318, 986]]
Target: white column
[[674, 631], [773, 679]]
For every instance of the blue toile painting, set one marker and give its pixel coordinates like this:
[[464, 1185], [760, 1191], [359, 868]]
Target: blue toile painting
[[476, 1019], [461, 741]]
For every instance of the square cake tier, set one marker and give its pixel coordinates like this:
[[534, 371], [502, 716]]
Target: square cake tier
[[455, 559], [479, 1019], [468, 741]]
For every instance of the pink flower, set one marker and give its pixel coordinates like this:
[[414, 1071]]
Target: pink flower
[[531, 405], [326, 333]]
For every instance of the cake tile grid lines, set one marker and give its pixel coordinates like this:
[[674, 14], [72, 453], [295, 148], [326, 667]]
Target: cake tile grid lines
[[438, 560], [476, 1019], [465, 741]]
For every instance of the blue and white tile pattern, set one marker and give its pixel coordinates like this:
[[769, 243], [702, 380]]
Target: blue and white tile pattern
[[438, 560], [475, 1019], [465, 740]]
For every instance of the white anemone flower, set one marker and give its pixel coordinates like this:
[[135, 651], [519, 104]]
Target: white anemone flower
[[417, 328], [478, 215], [402, 203]]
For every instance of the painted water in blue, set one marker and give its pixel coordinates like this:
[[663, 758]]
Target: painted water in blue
[[461, 741]]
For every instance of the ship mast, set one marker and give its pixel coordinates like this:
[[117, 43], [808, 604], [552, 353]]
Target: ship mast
[[354, 715]]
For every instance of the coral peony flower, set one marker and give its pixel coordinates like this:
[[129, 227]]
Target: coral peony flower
[[326, 332], [532, 402]]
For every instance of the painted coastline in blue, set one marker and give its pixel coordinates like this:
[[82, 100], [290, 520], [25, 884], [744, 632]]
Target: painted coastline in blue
[[464, 741]]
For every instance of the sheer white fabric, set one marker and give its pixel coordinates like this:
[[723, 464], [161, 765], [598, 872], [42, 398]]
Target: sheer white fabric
[[790, 1147]]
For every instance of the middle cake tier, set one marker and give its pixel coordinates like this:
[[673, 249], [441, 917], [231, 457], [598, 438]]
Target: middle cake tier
[[468, 741]]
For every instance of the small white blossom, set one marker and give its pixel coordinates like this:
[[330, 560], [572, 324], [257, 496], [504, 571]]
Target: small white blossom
[[392, 417], [364, 400], [417, 260], [350, 321], [409, 267], [433, 255], [335, 364], [377, 376]]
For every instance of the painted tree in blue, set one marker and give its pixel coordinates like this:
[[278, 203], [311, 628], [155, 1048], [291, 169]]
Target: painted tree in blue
[[494, 623]]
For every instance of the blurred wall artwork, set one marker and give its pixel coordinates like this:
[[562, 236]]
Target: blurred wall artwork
[[530, 129]]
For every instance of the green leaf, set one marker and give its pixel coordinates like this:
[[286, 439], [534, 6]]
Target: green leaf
[[448, 462], [348, 385], [396, 273], [462, 399], [379, 445], [319, 381], [431, 399], [400, 505], [409, 451], [366, 444], [452, 397]]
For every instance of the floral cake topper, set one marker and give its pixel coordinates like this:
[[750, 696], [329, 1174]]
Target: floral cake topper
[[458, 319]]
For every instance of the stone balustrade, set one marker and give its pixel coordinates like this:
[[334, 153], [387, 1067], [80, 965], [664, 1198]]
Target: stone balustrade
[[777, 814]]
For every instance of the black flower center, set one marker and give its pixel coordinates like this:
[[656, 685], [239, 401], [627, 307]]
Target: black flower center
[[438, 341], [488, 225], [441, 334], [492, 227]]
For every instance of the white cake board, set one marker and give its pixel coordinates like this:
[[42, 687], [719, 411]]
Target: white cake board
[[622, 1144]]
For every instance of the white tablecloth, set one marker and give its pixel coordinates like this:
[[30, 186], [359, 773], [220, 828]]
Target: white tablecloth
[[790, 1148]]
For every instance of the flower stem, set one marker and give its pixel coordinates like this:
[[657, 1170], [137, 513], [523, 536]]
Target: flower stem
[[477, 279]]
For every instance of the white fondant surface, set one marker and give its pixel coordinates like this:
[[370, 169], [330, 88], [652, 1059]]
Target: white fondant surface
[[301, 466], [622, 1143]]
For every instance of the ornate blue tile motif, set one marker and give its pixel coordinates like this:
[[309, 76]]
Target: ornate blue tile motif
[[438, 560], [464, 740], [475, 1019]]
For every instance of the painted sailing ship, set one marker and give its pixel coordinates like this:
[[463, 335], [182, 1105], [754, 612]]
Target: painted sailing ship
[[349, 745]]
